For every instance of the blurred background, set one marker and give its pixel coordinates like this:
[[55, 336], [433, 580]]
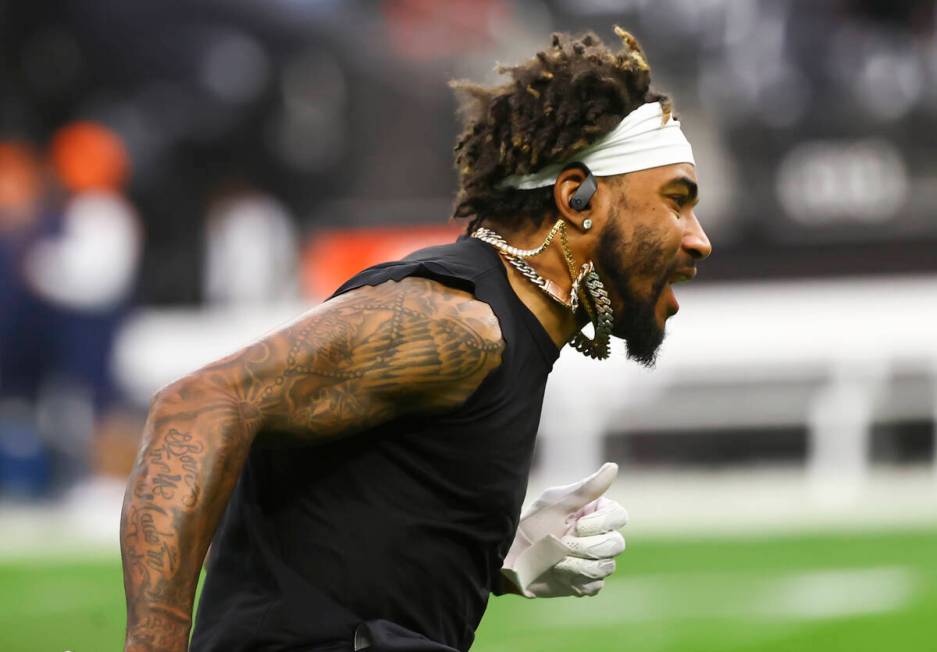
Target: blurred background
[[177, 178]]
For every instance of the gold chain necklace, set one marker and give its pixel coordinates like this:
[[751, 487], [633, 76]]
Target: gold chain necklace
[[586, 286]]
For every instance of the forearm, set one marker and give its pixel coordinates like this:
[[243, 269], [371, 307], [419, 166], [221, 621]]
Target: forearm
[[194, 446]]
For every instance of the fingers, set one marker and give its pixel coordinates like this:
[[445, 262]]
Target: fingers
[[595, 485], [585, 569], [589, 588], [584, 576], [599, 546], [608, 516]]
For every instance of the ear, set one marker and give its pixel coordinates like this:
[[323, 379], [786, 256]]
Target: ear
[[574, 194]]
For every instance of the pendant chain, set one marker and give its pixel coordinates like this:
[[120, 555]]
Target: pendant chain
[[586, 284], [518, 262]]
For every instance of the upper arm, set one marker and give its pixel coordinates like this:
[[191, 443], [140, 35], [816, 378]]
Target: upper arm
[[363, 358]]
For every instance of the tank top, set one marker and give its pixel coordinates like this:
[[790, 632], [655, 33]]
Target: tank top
[[406, 523]]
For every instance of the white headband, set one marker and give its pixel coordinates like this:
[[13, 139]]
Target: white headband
[[641, 141]]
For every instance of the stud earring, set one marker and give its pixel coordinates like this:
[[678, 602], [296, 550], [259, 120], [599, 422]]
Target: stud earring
[[586, 224]]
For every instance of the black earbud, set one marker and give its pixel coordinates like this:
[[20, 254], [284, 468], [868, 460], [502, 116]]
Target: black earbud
[[583, 195]]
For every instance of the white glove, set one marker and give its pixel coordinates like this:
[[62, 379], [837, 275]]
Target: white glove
[[567, 539]]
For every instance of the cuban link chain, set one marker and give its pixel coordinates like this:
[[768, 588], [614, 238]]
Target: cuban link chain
[[586, 284]]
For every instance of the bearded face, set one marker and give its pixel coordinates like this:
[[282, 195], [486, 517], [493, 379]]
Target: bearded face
[[650, 240], [637, 306]]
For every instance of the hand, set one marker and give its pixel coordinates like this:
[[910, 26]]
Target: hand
[[593, 546], [567, 539]]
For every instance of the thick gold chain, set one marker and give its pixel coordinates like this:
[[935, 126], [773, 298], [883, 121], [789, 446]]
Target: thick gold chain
[[587, 289]]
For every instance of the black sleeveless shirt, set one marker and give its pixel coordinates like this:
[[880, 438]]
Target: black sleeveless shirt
[[408, 522]]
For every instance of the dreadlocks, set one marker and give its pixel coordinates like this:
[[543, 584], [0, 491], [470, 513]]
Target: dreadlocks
[[557, 103]]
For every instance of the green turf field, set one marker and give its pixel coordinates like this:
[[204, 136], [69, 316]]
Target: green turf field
[[844, 592]]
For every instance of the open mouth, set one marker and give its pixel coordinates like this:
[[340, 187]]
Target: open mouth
[[679, 276], [673, 306]]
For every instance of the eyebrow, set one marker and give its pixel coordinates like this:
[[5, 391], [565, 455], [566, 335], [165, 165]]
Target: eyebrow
[[684, 183]]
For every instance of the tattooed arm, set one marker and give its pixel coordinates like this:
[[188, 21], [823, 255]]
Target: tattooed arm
[[352, 363]]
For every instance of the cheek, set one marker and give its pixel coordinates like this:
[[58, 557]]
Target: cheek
[[654, 246], [671, 231]]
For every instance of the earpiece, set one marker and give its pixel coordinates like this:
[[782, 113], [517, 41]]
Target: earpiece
[[583, 195]]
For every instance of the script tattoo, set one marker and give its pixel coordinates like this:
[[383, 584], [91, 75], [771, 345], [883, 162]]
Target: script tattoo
[[175, 462], [354, 362]]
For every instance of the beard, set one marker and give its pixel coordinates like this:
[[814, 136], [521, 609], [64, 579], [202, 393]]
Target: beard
[[635, 318]]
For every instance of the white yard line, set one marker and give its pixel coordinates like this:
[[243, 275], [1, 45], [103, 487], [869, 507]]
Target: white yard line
[[778, 597], [825, 594]]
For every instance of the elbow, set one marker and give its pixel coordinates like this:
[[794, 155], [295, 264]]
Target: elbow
[[168, 399], [200, 402], [170, 405], [189, 391]]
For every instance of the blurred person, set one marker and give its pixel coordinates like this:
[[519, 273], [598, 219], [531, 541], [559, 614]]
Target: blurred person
[[20, 202], [23, 463], [75, 276], [20, 205], [85, 272], [365, 465]]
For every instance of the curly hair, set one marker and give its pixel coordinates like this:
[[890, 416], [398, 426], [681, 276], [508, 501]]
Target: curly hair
[[558, 102]]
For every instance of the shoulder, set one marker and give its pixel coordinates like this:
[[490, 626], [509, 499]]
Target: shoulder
[[377, 352], [431, 300], [420, 341], [465, 258]]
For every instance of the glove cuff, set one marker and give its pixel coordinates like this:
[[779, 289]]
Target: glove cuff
[[534, 562]]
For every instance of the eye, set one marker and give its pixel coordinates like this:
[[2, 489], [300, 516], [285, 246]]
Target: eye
[[680, 200]]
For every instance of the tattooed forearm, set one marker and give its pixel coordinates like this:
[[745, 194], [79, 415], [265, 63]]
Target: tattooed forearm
[[161, 630], [176, 463], [352, 363], [163, 539]]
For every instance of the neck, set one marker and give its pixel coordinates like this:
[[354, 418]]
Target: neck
[[559, 323]]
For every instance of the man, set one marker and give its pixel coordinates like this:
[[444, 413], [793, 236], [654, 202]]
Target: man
[[368, 462]]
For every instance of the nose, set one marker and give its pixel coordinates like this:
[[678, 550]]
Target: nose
[[695, 240]]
